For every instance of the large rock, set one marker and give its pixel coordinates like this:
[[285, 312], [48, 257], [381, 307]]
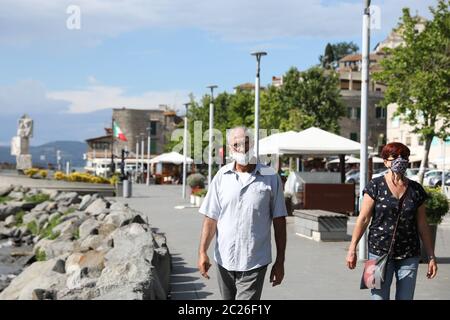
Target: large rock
[[10, 221], [89, 227], [97, 207], [51, 192], [17, 195], [95, 242], [44, 206], [39, 275], [55, 248], [77, 215], [5, 190], [10, 208], [130, 268], [67, 229], [4, 232], [67, 198], [93, 260], [32, 216], [86, 201], [122, 218]]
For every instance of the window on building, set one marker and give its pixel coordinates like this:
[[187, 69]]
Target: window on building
[[354, 136], [408, 141], [380, 112], [358, 113], [153, 127]]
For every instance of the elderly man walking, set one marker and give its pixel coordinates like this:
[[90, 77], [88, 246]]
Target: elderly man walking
[[243, 201]]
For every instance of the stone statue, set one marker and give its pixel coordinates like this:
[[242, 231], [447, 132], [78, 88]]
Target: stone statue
[[20, 144], [25, 129]]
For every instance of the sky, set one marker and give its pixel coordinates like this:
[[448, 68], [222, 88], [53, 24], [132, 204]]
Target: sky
[[67, 63]]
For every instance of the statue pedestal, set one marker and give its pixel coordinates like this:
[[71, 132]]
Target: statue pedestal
[[23, 162]]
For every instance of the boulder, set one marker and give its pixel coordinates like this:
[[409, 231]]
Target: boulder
[[93, 261], [95, 242], [5, 190], [122, 218], [32, 216], [16, 195], [39, 275], [10, 221], [66, 229], [105, 229], [10, 208], [86, 201], [77, 215], [4, 232], [89, 227], [42, 220], [52, 193], [33, 192], [67, 198], [43, 206], [54, 248], [97, 207], [130, 266]]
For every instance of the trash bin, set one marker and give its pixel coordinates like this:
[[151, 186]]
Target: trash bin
[[119, 189], [127, 191]]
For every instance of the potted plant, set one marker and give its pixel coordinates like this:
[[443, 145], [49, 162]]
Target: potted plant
[[196, 181], [201, 195], [436, 208]]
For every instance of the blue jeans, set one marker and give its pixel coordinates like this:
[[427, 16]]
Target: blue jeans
[[405, 271]]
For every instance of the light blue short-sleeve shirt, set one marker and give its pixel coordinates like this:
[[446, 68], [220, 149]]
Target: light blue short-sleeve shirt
[[244, 214]]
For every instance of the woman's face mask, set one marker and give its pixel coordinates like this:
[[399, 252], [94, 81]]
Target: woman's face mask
[[399, 165]]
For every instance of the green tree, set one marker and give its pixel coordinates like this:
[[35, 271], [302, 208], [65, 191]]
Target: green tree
[[311, 98], [417, 75], [335, 52]]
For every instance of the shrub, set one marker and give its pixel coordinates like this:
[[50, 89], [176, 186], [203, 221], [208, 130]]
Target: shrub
[[33, 227], [43, 173], [37, 198], [196, 180], [48, 231], [4, 199], [40, 255], [31, 172], [19, 217], [60, 176], [436, 205]]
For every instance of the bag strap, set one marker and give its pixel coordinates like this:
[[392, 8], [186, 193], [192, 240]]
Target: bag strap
[[399, 210]]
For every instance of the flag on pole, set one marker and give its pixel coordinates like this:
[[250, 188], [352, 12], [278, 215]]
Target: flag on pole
[[118, 133]]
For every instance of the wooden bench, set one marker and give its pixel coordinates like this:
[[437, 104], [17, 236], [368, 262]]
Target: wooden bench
[[321, 225]]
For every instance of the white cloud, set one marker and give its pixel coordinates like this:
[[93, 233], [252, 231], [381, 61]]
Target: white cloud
[[28, 96], [97, 97], [24, 22]]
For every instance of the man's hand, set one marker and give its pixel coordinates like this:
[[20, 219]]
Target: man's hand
[[204, 265], [432, 269], [277, 273]]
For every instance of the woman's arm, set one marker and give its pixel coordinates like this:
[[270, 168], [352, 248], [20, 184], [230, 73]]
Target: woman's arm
[[361, 225], [425, 235]]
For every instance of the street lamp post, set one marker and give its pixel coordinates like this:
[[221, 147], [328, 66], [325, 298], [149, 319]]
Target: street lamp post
[[142, 155], [364, 136], [185, 146], [137, 159], [149, 130], [211, 128], [258, 56]]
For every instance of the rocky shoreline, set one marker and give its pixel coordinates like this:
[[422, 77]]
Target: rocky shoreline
[[77, 247]]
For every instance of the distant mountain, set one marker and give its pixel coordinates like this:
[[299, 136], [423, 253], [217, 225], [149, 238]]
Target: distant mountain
[[44, 154]]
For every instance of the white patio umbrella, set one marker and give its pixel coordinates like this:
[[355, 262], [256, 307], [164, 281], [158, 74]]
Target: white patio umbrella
[[171, 157]]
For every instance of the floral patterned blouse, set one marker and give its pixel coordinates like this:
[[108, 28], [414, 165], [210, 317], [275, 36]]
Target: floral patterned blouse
[[385, 215]]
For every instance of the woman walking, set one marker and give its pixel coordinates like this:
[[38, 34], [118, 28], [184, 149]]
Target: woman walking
[[396, 206]]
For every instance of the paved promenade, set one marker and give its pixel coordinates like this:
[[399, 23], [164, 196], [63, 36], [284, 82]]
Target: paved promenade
[[314, 270]]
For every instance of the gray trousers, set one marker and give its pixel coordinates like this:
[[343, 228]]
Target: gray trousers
[[241, 285]]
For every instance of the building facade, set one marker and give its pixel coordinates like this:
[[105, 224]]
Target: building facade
[[136, 125], [399, 131]]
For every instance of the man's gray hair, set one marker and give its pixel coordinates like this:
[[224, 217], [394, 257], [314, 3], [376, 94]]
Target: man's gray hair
[[248, 132]]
